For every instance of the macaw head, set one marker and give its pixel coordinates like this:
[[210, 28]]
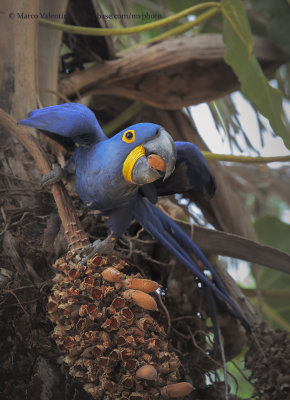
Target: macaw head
[[149, 153]]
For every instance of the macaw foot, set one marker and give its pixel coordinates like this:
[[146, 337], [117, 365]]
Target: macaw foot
[[54, 176], [99, 247]]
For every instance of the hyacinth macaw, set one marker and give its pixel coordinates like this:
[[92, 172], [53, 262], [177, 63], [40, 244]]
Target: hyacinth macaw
[[123, 176]]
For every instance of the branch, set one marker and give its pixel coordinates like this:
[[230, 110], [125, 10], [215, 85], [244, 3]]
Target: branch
[[74, 233], [244, 159], [170, 74], [230, 245]]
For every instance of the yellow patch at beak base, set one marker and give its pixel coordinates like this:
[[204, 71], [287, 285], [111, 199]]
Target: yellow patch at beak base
[[130, 161]]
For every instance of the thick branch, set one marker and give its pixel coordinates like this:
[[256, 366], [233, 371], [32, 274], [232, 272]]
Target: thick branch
[[74, 233], [169, 74], [230, 245]]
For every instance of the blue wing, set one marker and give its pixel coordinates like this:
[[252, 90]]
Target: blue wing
[[167, 232], [191, 174], [72, 120]]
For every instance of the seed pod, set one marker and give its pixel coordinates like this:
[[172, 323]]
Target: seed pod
[[121, 341], [130, 364], [51, 307], [118, 302], [111, 274], [142, 299], [145, 323], [111, 324], [177, 390], [115, 355], [147, 372], [81, 324], [127, 315], [97, 293], [83, 310], [97, 261], [145, 285], [98, 350], [108, 386], [127, 381], [169, 366], [73, 273], [93, 311], [153, 344], [69, 342], [103, 362]]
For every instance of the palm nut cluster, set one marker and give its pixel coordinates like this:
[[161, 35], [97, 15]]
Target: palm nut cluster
[[110, 341]]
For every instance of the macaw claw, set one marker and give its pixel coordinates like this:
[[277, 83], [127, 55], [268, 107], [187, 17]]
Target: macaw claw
[[102, 247], [55, 175]]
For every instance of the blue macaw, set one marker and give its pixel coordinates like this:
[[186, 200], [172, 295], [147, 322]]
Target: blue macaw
[[123, 176]]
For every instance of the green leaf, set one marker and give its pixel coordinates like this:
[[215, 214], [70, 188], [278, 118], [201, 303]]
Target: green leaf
[[273, 232], [235, 14], [238, 377], [254, 84]]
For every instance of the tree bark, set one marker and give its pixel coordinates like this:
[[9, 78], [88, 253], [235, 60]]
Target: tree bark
[[170, 74]]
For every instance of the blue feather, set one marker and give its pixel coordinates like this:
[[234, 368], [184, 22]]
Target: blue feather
[[191, 173], [179, 244], [70, 120]]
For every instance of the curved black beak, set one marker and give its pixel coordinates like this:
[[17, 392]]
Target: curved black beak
[[162, 146]]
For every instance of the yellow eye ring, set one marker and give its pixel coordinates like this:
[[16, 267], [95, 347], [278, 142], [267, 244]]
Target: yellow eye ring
[[129, 136]]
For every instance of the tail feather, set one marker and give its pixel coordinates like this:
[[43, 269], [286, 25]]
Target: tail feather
[[167, 232]]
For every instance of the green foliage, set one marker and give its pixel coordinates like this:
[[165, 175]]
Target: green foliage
[[225, 116], [254, 84], [274, 285], [238, 382], [235, 14]]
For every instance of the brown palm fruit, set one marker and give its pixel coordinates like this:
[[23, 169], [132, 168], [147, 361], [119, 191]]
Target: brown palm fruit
[[110, 342]]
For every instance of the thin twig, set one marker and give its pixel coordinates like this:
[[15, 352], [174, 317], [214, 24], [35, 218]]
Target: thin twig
[[18, 301], [80, 30], [166, 313]]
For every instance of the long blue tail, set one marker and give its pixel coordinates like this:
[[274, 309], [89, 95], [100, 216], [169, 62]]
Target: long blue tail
[[173, 238]]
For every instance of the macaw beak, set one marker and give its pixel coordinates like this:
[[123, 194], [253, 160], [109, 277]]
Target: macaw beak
[[153, 160]]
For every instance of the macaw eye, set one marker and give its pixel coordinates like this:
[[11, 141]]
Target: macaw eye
[[129, 136]]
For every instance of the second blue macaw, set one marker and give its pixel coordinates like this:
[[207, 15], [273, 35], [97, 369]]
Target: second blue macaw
[[123, 176]]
